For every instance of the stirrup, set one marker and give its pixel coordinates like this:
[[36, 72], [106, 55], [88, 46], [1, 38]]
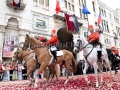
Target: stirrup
[[54, 60]]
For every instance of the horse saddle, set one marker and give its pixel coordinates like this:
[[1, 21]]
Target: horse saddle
[[58, 52]]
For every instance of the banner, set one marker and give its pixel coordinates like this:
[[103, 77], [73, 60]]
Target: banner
[[10, 42]]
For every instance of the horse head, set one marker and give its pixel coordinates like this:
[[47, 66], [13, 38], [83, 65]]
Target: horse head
[[32, 43], [77, 40], [27, 41], [17, 55]]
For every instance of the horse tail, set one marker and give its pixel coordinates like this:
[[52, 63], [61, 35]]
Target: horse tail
[[74, 65]]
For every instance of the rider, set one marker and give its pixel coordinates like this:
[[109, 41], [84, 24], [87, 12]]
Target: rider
[[42, 39], [115, 51], [53, 43], [93, 39]]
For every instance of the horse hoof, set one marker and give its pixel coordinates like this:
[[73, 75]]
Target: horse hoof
[[33, 80], [89, 84], [116, 72], [97, 87], [35, 86], [30, 84], [46, 84]]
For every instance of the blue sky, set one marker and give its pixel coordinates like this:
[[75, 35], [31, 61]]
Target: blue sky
[[112, 3]]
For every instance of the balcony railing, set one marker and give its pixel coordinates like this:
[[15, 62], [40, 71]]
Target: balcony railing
[[10, 4]]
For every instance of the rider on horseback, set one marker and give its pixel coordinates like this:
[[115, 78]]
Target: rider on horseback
[[53, 42], [42, 39], [93, 39], [115, 51]]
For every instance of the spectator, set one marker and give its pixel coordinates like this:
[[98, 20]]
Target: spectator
[[15, 75], [2, 70], [19, 72], [24, 71], [80, 67], [7, 73]]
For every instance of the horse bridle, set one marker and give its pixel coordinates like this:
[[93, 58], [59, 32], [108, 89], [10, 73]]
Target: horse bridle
[[78, 47], [21, 57], [35, 47]]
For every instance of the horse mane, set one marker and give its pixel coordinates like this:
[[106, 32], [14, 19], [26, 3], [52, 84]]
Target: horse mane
[[35, 40]]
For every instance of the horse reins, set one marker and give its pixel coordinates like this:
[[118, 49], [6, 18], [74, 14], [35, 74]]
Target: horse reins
[[24, 56], [82, 49]]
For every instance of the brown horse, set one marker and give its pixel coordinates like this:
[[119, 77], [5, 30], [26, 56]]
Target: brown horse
[[45, 59], [31, 63]]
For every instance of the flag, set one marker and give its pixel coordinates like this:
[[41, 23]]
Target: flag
[[69, 23], [99, 19], [16, 3], [75, 23], [85, 10], [58, 8]]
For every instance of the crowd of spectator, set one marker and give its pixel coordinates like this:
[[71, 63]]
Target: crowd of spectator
[[12, 71]]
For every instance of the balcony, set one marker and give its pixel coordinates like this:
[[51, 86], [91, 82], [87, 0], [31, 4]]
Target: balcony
[[9, 3], [61, 17]]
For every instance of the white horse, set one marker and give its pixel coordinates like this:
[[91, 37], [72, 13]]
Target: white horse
[[90, 57]]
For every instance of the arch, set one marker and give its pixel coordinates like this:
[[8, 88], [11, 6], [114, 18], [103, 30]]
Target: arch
[[11, 37]]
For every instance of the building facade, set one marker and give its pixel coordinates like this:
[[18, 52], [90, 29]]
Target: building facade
[[38, 17], [110, 25]]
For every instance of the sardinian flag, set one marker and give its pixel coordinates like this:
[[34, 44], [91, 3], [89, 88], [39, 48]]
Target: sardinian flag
[[16, 3]]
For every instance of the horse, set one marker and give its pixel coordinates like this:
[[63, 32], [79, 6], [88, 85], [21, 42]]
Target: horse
[[115, 60], [90, 57], [45, 58], [31, 63]]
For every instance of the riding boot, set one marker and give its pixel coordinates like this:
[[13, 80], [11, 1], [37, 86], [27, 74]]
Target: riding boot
[[99, 56], [55, 57]]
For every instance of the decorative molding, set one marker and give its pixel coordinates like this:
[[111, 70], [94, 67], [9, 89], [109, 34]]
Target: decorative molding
[[41, 23], [9, 3]]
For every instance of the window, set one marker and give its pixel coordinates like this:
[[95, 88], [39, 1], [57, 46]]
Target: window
[[93, 3], [85, 2], [104, 25], [86, 34], [104, 13], [116, 20], [35, 2], [73, 8], [107, 28], [99, 10], [47, 3], [118, 30], [72, 1], [80, 13], [110, 16], [42, 3], [69, 5], [79, 2], [65, 4]]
